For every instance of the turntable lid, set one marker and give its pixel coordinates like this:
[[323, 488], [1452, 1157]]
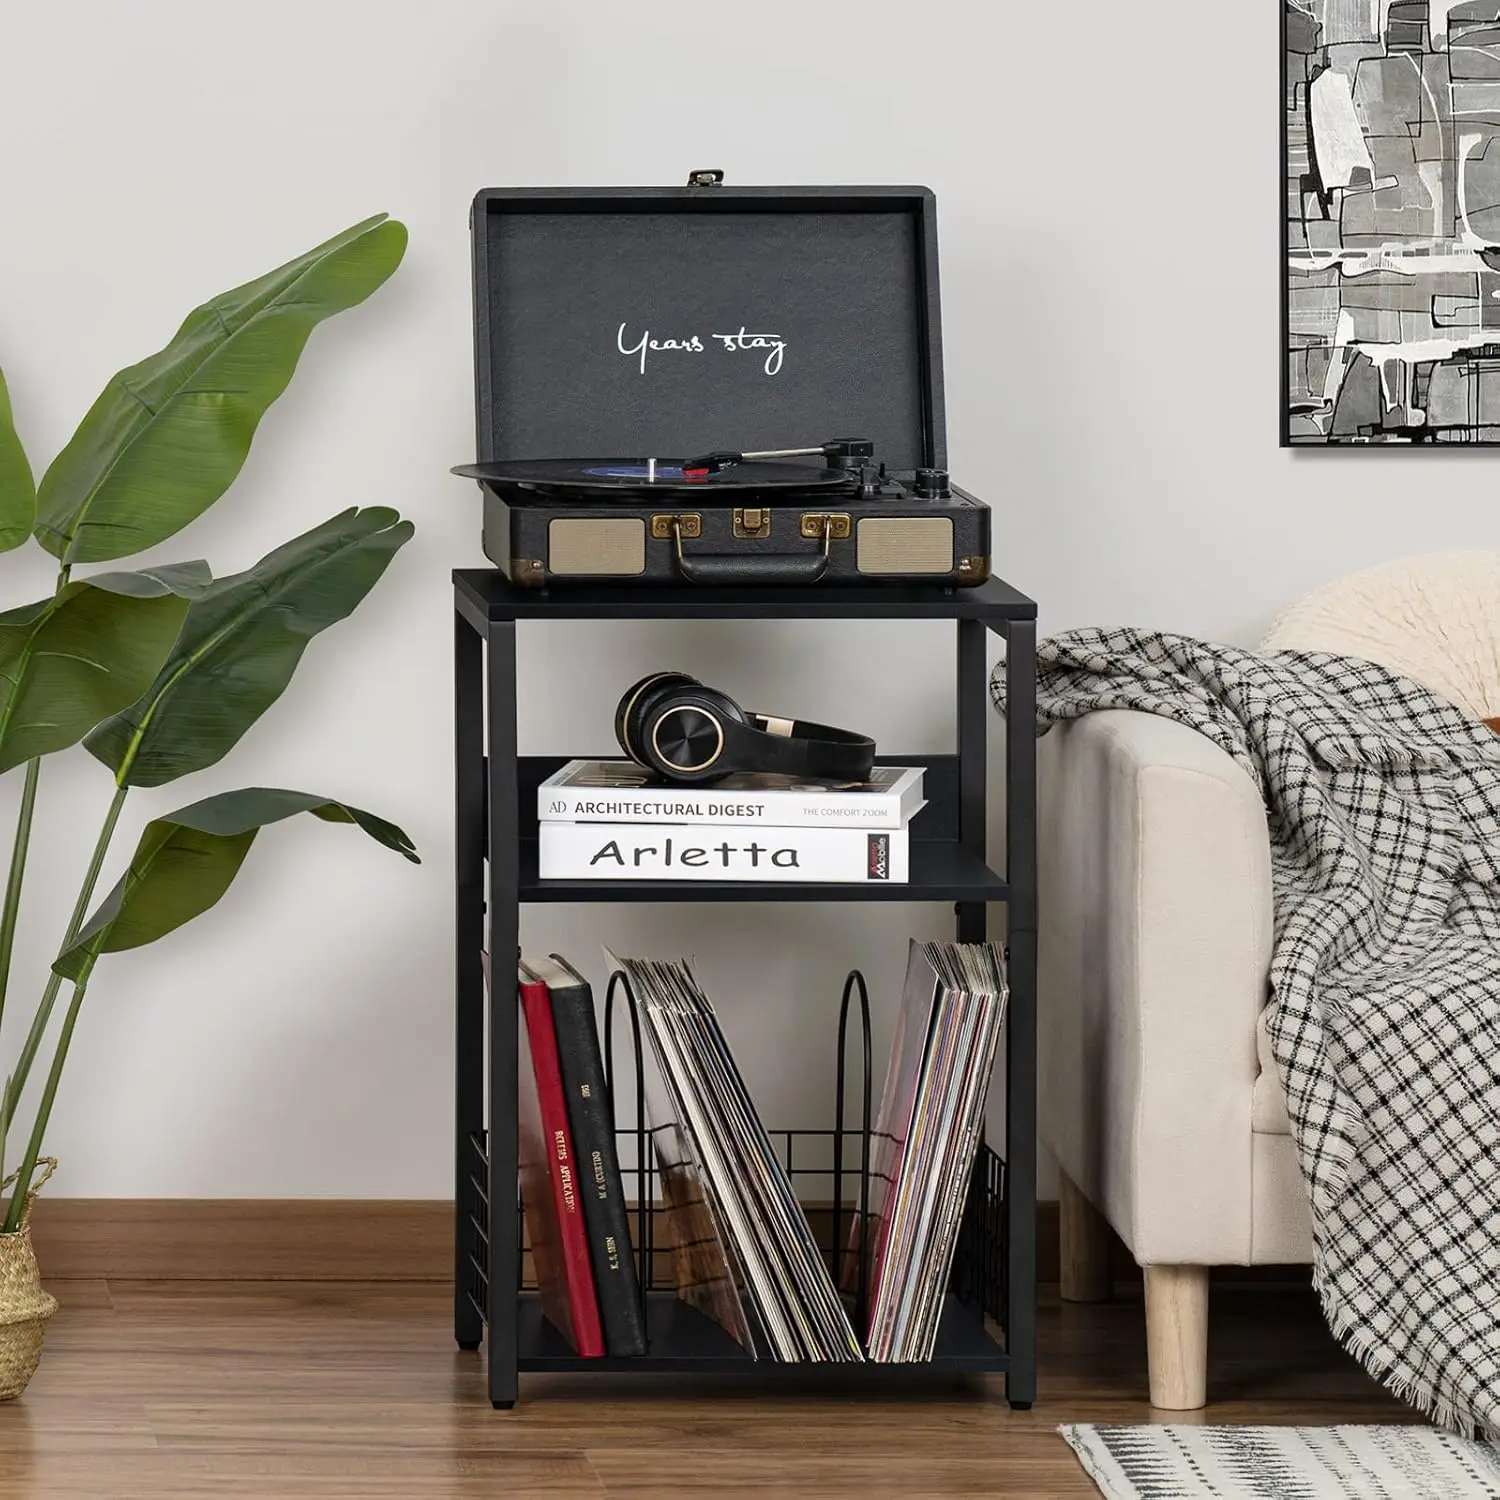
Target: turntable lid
[[679, 320]]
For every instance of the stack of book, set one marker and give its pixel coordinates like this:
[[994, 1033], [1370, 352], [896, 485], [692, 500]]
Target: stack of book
[[609, 820]]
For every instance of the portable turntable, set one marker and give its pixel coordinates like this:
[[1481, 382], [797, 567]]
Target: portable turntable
[[789, 310]]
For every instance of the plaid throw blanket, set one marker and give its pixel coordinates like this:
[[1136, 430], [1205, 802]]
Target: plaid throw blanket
[[1383, 806]]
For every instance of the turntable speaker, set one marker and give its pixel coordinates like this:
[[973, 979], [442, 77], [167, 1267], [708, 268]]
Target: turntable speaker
[[596, 547], [900, 546]]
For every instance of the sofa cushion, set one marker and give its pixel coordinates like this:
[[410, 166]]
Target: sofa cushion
[[1268, 1114], [1434, 619]]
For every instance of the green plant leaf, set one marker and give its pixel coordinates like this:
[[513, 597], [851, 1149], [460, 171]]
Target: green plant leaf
[[168, 436], [240, 644], [17, 487], [186, 860], [70, 661]]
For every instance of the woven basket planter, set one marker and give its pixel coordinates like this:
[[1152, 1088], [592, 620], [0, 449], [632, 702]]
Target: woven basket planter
[[25, 1309]]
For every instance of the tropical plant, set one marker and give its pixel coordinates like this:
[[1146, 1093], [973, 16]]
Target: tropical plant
[[159, 672]]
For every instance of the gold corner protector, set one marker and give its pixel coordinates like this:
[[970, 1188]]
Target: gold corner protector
[[527, 572], [973, 569]]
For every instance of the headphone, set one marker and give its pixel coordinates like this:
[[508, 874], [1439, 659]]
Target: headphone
[[672, 724]]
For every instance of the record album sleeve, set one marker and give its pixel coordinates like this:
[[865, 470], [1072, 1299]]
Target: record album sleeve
[[550, 1198], [600, 1187]]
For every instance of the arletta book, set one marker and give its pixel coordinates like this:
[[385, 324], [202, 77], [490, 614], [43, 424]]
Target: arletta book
[[591, 1118], [619, 791], [550, 1189], [680, 851]]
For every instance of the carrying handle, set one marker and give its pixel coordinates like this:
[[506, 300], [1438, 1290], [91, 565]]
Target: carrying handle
[[752, 568], [722, 569], [48, 1164]]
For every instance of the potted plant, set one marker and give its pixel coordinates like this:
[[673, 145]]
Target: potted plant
[[158, 672]]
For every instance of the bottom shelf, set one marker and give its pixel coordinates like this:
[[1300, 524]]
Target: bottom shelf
[[683, 1339]]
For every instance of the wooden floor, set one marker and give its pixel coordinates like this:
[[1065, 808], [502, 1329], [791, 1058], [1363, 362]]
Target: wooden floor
[[165, 1389]]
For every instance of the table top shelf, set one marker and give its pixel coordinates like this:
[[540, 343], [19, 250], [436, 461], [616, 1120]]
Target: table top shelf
[[485, 597]]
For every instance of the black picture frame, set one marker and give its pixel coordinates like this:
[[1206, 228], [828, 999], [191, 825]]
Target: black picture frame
[[1284, 236], [1475, 361]]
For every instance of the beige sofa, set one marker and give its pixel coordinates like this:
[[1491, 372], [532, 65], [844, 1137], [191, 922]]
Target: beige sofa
[[1160, 1097]]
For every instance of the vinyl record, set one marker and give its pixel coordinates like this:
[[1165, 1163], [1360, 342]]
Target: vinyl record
[[622, 476]]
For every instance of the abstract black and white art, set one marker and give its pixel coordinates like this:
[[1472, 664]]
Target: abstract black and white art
[[1391, 298]]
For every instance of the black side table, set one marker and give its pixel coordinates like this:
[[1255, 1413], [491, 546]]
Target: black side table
[[497, 821]]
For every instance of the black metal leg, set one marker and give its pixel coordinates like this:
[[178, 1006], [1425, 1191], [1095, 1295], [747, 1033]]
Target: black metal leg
[[504, 1264], [1020, 1079], [973, 721], [468, 1010]]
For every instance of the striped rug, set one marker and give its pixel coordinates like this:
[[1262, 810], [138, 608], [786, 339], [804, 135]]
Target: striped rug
[[1285, 1463]]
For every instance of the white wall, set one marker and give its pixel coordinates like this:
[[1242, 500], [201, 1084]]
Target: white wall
[[1107, 180]]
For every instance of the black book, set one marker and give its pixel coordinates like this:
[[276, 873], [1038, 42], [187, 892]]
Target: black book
[[591, 1118]]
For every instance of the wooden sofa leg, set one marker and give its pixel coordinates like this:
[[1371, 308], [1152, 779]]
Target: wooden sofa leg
[[1177, 1336], [1084, 1245]]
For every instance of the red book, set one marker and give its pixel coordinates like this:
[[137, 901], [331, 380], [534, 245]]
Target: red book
[[550, 1195]]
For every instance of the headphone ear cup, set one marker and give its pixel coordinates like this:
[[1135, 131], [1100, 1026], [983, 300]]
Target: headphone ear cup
[[700, 714], [629, 715]]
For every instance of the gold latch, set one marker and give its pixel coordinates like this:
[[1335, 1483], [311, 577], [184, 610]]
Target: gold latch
[[752, 522], [834, 528], [664, 527]]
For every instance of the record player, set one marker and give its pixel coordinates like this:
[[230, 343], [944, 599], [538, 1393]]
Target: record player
[[653, 323]]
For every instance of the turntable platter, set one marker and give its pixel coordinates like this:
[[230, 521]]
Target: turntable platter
[[634, 476]]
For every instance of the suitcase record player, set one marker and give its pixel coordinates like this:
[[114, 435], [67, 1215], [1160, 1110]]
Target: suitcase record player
[[786, 307]]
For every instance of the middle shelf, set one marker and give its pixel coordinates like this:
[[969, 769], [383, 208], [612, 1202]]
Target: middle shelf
[[943, 866], [941, 870]]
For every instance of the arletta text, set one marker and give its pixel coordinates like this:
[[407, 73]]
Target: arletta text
[[725, 856]]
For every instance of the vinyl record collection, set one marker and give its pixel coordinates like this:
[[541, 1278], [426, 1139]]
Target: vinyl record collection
[[761, 1231], [742, 1248], [931, 1117]]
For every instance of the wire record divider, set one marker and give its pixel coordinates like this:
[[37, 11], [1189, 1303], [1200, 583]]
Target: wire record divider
[[812, 1159]]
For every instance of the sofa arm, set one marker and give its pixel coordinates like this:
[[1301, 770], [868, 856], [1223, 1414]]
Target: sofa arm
[[1155, 953]]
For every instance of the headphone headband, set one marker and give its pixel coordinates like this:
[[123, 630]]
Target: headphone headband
[[672, 724], [798, 747]]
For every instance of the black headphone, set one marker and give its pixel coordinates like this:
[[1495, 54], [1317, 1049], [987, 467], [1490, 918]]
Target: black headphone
[[673, 725]]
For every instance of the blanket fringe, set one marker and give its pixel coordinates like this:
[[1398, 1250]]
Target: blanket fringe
[[1391, 1371]]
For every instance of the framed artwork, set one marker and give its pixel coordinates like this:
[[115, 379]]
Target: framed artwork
[[1391, 226]]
